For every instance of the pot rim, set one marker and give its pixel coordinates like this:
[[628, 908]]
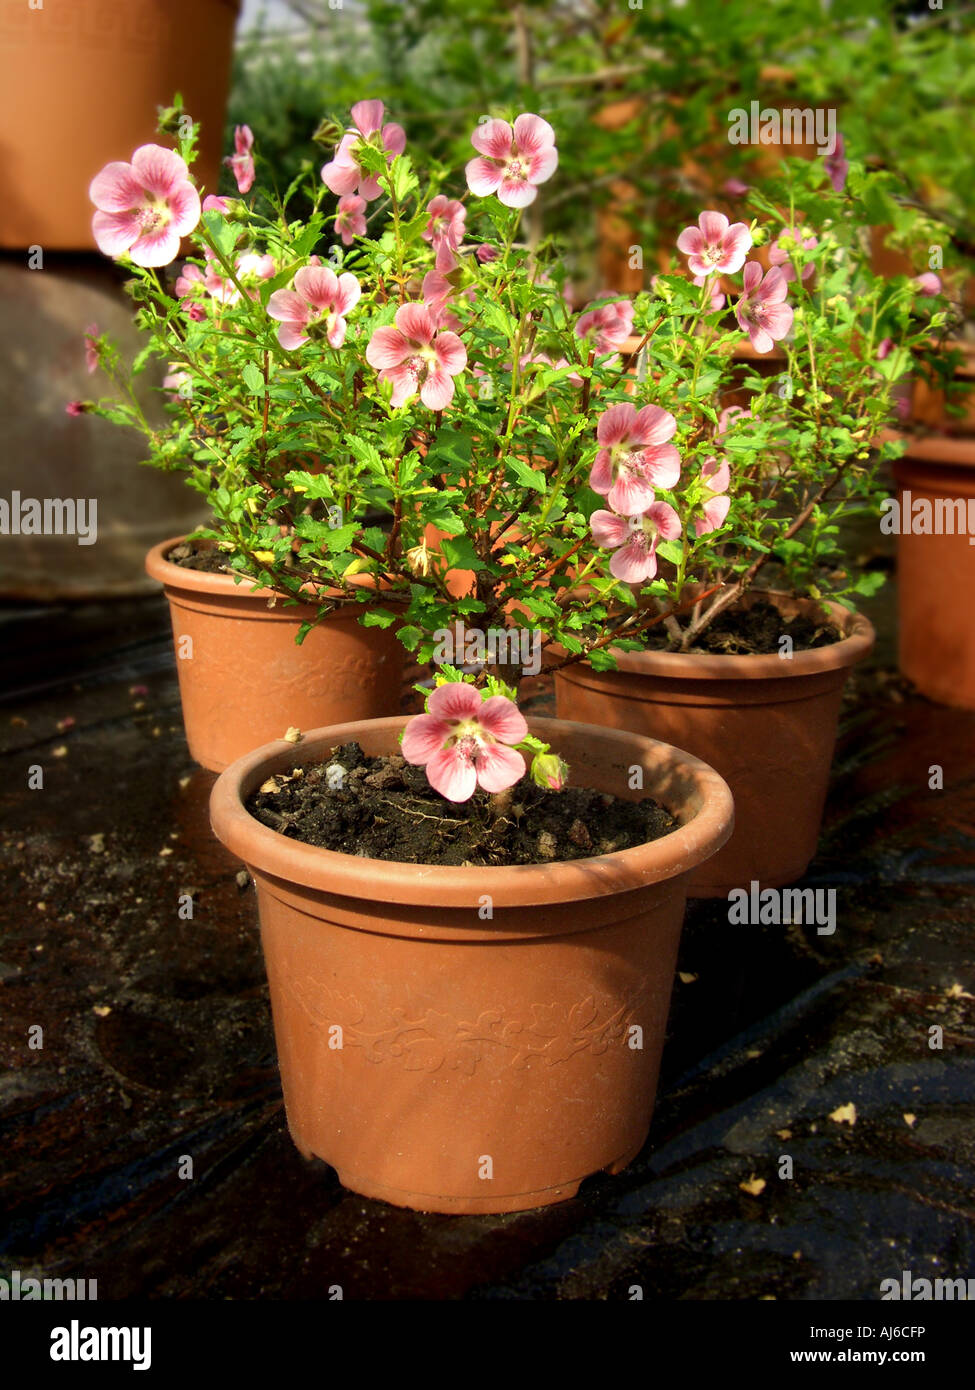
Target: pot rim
[[944, 450], [206, 585], [389, 881], [857, 644]]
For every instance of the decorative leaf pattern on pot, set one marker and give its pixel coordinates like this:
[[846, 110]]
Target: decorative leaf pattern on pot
[[553, 1033]]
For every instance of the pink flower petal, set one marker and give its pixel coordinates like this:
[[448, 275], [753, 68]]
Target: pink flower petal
[[452, 774], [319, 285], [423, 736], [502, 718], [601, 474], [630, 495], [608, 529], [451, 353], [616, 423], [532, 134], [367, 116], [516, 192], [158, 248], [713, 226], [340, 177], [499, 767], [633, 563], [662, 465], [653, 425], [415, 322], [394, 138], [455, 700], [159, 170], [437, 390], [387, 347], [115, 232], [751, 276], [116, 189], [493, 138], [483, 177], [288, 307]]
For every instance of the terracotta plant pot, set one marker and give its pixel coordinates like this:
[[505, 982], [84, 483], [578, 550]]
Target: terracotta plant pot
[[242, 678], [448, 1060], [929, 407], [80, 87], [767, 724], [936, 573]]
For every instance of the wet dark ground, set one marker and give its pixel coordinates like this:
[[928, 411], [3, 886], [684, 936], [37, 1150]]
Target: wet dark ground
[[157, 1038]]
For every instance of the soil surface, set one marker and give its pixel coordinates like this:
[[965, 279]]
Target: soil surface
[[384, 808], [199, 555], [756, 631]]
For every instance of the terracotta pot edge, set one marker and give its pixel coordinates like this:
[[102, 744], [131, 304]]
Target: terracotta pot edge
[[417, 884]]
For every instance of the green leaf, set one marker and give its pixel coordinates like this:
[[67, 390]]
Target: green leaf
[[378, 617], [526, 475], [253, 378]]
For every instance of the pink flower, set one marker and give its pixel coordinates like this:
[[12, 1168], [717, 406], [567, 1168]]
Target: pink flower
[[928, 283], [512, 163], [145, 207], [760, 310], [884, 348], [486, 253], [635, 457], [251, 267], [462, 740], [436, 292], [91, 347], [610, 325], [344, 175], [715, 296], [178, 385], [713, 247], [635, 541], [415, 355], [730, 412], [716, 477], [76, 408], [213, 203], [735, 188], [196, 312], [241, 162], [350, 221], [317, 304], [791, 239], [445, 230], [837, 166]]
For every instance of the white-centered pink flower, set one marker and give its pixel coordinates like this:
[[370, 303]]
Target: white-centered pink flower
[[241, 162], [445, 230], [716, 476], [714, 247], [727, 416], [464, 741], [144, 208], [486, 253], [780, 252], [760, 310], [251, 267], [350, 220], [512, 163], [928, 283], [608, 326], [416, 355], [178, 385], [315, 307], [344, 174], [635, 457], [837, 165], [634, 541]]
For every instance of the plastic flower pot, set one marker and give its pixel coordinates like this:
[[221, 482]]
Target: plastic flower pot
[[766, 723], [81, 85], [474, 1039], [936, 573], [243, 679]]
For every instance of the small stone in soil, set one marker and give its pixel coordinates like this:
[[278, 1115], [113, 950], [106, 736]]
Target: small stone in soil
[[384, 808]]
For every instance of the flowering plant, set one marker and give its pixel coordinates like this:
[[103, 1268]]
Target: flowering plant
[[396, 387]]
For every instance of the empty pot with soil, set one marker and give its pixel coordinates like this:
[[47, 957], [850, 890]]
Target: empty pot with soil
[[242, 677], [470, 1036], [766, 722]]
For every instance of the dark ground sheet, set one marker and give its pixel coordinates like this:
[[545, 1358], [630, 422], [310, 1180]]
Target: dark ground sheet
[[157, 1036]]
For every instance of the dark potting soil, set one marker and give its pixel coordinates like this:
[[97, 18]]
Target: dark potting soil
[[199, 555], [756, 631], [386, 809]]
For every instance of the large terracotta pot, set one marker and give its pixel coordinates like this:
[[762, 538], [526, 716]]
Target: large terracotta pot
[[81, 83], [242, 678], [447, 1060], [936, 573], [766, 723]]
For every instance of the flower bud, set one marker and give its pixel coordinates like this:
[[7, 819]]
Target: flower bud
[[549, 771], [418, 560], [329, 132]]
